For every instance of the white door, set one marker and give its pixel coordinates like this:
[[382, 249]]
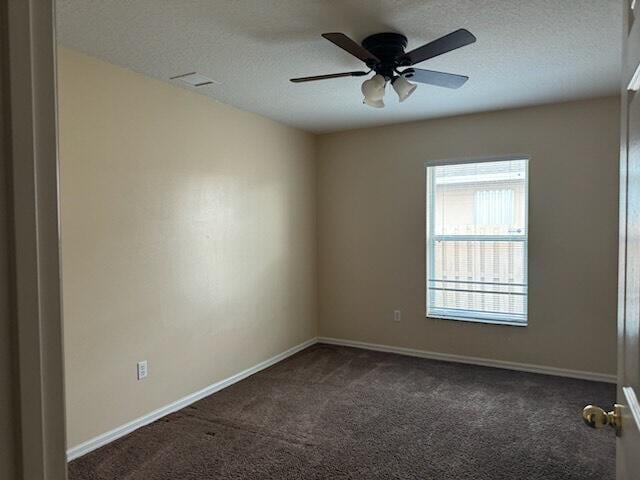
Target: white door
[[628, 448], [625, 416]]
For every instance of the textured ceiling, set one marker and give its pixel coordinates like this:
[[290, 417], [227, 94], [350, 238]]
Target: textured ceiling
[[528, 51]]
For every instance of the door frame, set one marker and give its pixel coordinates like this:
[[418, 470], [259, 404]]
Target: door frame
[[29, 214]]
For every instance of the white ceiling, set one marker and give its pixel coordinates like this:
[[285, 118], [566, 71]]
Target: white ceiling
[[528, 51]]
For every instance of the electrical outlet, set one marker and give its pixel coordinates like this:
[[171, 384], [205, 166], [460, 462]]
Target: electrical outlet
[[397, 315], [142, 369]]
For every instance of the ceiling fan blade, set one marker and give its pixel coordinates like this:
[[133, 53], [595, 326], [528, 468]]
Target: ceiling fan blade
[[354, 48], [327, 77], [445, 44], [441, 79]]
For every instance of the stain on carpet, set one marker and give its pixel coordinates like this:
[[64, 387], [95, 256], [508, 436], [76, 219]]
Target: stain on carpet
[[333, 412]]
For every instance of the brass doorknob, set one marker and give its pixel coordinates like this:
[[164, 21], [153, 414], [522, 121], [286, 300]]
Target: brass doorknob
[[596, 417]]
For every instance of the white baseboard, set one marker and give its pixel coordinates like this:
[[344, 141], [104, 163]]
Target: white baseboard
[[485, 362], [108, 437], [127, 428]]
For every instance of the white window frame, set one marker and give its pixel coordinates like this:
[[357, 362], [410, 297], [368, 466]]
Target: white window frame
[[490, 318]]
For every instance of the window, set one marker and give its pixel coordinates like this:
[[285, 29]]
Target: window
[[477, 241]]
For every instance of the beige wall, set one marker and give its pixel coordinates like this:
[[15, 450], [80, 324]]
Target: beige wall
[[372, 233], [188, 238]]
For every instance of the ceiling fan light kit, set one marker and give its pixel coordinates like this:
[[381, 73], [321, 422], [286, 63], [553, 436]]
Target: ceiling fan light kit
[[383, 53], [403, 87], [374, 103], [373, 91]]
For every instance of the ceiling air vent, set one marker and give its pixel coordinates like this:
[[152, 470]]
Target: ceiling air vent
[[193, 79]]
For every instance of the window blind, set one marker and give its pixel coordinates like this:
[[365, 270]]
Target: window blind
[[477, 241]]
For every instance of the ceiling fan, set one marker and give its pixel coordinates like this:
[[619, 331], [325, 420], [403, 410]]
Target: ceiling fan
[[384, 54]]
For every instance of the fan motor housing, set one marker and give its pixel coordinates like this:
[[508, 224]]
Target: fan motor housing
[[389, 48]]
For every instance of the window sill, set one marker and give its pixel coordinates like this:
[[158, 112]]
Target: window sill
[[508, 323]]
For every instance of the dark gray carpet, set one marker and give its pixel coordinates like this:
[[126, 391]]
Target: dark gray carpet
[[341, 413]]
